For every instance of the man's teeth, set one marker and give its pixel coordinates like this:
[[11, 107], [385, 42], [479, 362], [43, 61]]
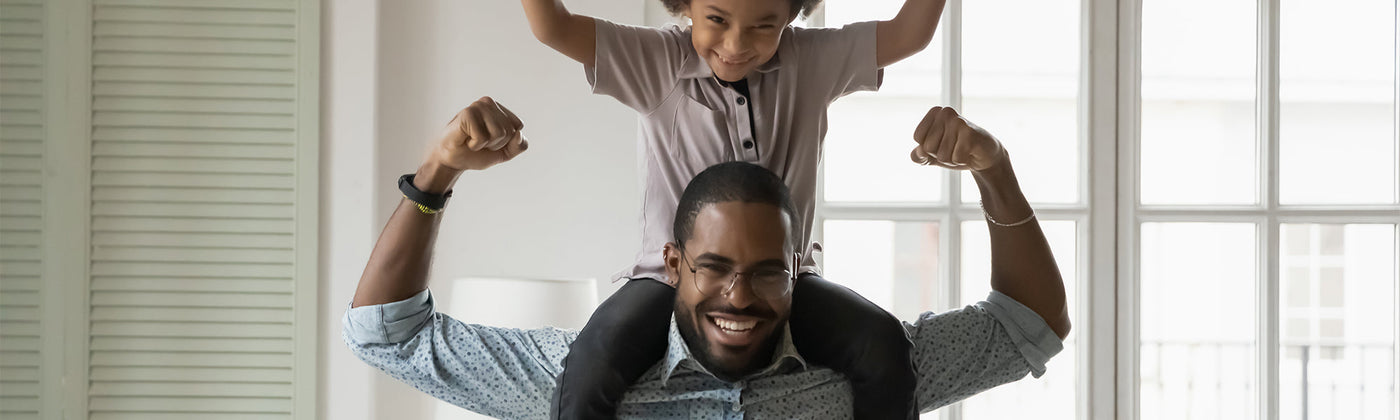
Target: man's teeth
[[735, 325]]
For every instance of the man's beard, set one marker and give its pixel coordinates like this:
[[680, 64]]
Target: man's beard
[[700, 346]]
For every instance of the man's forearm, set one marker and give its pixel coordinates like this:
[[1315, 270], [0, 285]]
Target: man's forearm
[[1023, 266], [398, 266]]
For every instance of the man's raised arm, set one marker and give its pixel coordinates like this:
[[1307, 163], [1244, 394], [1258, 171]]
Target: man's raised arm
[[1023, 267], [480, 136]]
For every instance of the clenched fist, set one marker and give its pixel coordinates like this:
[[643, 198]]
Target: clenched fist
[[480, 136], [947, 139]]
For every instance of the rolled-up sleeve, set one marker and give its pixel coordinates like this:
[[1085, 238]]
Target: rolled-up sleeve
[[963, 352], [499, 372]]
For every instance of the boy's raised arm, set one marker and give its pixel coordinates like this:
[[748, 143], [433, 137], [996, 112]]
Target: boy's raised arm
[[907, 33], [573, 35]]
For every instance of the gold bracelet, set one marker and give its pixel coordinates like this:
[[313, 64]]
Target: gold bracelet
[[995, 222]]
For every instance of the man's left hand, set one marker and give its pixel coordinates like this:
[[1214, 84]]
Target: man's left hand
[[947, 139]]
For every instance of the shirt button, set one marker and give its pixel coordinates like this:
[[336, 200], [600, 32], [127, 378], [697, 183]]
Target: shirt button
[[741, 100], [748, 144]]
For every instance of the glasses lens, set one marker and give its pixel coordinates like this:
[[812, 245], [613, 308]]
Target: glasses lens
[[768, 284]]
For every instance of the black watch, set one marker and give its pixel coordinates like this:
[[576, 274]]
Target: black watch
[[428, 203]]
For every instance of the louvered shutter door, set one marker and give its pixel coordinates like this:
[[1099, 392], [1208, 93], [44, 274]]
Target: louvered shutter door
[[194, 209], [21, 195]]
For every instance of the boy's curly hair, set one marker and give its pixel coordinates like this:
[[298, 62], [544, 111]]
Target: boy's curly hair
[[676, 7]]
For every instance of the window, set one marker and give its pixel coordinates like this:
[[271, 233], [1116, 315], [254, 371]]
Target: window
[[874, 207], [1265, 210], [1241, 258]]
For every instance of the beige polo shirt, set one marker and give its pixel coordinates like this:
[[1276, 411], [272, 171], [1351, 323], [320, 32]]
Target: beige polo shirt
[[691, 120]]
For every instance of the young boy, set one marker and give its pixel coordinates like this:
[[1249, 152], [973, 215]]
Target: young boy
[[739, 84]]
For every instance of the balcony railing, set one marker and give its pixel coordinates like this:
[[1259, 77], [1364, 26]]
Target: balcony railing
[[1318, 380]]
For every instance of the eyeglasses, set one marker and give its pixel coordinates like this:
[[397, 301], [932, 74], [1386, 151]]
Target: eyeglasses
[[719, 279]]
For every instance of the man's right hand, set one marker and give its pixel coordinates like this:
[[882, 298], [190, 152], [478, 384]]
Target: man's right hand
[[482, 135]]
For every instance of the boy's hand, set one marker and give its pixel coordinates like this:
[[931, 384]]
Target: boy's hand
[[947, 139], [480, 136]]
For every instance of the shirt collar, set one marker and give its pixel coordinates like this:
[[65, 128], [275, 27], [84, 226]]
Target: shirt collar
[[695, 67], [678, 355]]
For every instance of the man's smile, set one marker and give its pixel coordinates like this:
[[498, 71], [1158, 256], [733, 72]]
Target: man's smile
[[733, 330]]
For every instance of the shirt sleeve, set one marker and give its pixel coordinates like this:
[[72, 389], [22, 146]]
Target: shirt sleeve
[[498, 372], [637, 65], [839, 60], [963, 352]]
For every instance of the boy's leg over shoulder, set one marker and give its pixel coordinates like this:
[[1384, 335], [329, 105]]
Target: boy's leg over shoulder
[[835, 327], [625, 336]]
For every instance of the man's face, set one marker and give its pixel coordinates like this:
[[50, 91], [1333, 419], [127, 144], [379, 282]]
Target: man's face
[[732, 333], [737, 36]]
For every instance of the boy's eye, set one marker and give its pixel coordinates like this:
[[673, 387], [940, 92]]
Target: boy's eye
[[716, 19]]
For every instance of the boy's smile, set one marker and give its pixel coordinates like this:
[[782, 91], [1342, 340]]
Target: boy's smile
[[736, 36]]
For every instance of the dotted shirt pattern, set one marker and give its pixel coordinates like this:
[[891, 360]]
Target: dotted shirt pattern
[[510, 373]]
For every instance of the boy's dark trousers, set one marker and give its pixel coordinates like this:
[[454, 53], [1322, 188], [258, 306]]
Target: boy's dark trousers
[[832, 326]]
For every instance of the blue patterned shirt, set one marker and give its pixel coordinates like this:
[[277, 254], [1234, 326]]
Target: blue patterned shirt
[[510, 373]]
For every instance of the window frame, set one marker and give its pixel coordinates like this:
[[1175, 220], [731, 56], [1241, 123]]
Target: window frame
[[1267, 215], [1110, 213], [1093, 235]]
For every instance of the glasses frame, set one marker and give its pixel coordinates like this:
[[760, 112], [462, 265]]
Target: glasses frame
[[734, 279]]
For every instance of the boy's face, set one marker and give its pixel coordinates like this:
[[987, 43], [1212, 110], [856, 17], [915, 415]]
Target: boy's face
[[736, 36]]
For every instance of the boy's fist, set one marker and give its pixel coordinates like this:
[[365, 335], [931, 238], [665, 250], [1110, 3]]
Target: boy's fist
[[947, 139], [480, 136]]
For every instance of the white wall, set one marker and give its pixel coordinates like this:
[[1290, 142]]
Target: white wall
[[395, 72], [349, 35]]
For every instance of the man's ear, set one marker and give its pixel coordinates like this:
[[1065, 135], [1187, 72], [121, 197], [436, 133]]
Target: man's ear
[[671, 257]]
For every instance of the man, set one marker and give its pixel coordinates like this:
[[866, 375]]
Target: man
[[729, 351]]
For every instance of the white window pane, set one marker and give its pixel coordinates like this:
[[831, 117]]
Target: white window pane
[[842, 12], [870, 135], [1197, 321], [1341, 333], [1198, 89], [893, 264], [867, 152], [1337, 131], [919, 76], [1021, 83], [1051, 396], [1041, 137]]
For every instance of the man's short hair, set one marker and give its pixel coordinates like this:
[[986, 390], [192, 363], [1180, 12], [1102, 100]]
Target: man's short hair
[[729, 182]]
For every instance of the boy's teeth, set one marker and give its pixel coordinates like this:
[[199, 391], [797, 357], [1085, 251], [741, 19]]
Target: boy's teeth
[[734, 325]]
